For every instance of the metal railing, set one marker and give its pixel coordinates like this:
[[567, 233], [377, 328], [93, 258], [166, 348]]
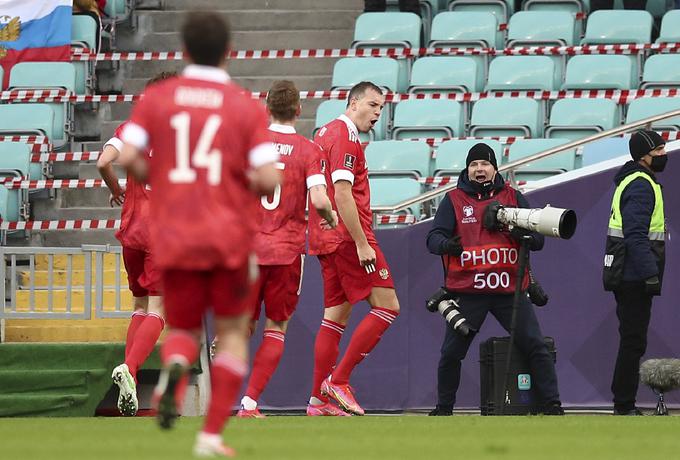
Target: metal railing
[[436, 193], [60, 283]]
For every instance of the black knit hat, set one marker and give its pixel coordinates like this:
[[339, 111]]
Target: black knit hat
[[642, 142], [481, 151]]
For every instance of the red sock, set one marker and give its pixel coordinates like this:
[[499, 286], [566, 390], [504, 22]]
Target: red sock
[[326, 349], [144, 342], [226, 375], [135, 321], [179, 346], [364, 339], [265, 363]]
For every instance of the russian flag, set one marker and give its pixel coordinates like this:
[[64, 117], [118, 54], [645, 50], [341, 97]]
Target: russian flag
[[34, 30]]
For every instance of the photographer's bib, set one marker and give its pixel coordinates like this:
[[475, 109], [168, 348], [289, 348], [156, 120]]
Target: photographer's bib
[[489, 262]]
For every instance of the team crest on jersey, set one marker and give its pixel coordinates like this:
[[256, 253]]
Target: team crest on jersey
[[468, 215], [350, 160], [384, 274], [322, 131]]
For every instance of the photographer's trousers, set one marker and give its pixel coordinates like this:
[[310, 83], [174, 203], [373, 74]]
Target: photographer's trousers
[[528, 339]]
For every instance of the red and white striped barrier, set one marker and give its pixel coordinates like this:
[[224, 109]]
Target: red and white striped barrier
[[60, 224], [37, 143], [19, 183], [80, 54], [384, 219], [437, 181], [65, 156]]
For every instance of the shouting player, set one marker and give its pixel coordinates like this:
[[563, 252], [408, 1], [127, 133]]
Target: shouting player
[[146, 323], [212, 151], [352, 265], [280, 241]]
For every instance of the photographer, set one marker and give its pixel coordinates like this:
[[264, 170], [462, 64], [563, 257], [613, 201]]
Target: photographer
[[481, 268]]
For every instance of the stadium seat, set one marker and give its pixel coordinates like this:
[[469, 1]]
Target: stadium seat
[[4, 203], [428, 118], [451, 155], [600, 72], [384, 72], [661, 71], [670, 28], [646, 107], [546, 167], [49, 75], [387, 191], [14, 162], [465, 29], [502, 9], [569, 6], [523, 73], [506, 117], [618, 26], [577, 118], [118, 10], [428, 9], [332, 109], [541, 28], [28, 119], [399, 158], [443, 74], [85, 35]]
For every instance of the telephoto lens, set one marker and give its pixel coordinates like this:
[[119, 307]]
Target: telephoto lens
[[449, 309]]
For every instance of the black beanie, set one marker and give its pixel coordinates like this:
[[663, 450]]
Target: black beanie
[[481, 151], [642, 142]]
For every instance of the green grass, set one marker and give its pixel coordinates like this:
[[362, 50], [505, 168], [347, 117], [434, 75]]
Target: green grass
[[357, 438]]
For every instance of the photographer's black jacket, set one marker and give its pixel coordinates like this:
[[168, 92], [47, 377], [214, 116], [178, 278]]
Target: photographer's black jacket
[[444, 225]]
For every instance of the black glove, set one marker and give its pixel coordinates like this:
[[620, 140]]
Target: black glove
[[453, 247], [520, 233], [536, 293], [653, 286]]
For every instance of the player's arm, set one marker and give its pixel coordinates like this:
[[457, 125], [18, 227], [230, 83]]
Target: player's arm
[[322, 205], [347, 208], [135, 140], [264, 178], [105, 161]]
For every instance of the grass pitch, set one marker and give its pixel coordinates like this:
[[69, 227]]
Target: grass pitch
[[357, 438]]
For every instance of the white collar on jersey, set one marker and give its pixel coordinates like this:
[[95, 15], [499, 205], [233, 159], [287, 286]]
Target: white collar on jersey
[[204, 72], [283, 129], [350, 124]]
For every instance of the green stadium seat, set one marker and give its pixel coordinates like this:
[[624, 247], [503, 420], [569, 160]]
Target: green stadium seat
[[502, 9], [428, 118], [546, 167], [661, 71], [4, 203], [541, 28], [28, 119], [506, 117], [618, 26], [387, 191], [577, 118], [600, 72], [14, 162], [428, 10], [399, 158], [466, 29], [48, 75], [670, 28], [646, 107], [443, 74], [523, 73], [332, 109], [569, 6], [384, 72], [84, 34], [451, 155], [118, 10]]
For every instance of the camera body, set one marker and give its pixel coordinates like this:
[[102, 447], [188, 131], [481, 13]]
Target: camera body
[[444, 302]]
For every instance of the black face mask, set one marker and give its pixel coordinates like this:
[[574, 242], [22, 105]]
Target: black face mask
[[658, 163], [483, 188]]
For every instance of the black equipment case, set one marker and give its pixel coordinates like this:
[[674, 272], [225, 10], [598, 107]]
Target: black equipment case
[[492, 359]]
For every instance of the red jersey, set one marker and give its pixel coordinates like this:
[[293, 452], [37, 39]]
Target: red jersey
[[489, 263], [206, 133], [134, 215], [346, 161], [281, 236]]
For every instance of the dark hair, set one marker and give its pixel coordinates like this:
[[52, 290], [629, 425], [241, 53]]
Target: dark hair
[[358, 90], [206, 37], [283, 100], [160, 77]]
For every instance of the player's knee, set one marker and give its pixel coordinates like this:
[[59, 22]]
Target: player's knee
[[155, 305], [280, 326]]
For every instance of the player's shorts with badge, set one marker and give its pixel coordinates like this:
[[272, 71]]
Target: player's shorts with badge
[[344, 279], [279, 288], [143, 276]]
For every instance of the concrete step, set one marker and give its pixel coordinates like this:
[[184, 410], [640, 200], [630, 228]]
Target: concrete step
[[303, 82], [90, 171], [72, 238], [51, 211], [245, 20], [60, 278], [264, 5], [78, 198]]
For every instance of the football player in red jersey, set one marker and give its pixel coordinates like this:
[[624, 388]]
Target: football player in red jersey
[[280, 241], [213, 159], [146, 323], [352, 264]]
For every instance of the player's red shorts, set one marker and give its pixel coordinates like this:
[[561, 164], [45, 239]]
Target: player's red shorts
[[189, 294], [344, 279], [143, 277], [279, 288]]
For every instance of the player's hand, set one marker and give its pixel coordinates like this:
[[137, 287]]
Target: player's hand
[[330, 224], [366, 257], [117, 198]]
